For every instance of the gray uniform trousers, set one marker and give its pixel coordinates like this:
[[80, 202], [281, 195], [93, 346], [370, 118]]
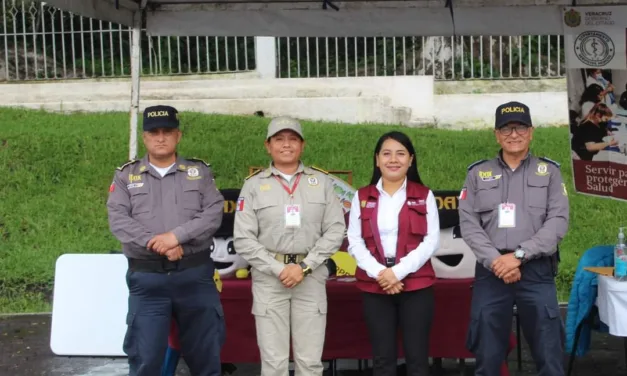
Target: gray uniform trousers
[[490, 327]]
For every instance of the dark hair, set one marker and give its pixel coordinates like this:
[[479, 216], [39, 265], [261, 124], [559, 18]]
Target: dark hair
[[591, 94], [412, 172]]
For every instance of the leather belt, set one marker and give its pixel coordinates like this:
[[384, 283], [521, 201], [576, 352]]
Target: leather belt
[[390, 262], [165, 266], [506, 251]]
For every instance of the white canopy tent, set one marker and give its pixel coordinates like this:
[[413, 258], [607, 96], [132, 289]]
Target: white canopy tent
[[347, 18], [321, 18]]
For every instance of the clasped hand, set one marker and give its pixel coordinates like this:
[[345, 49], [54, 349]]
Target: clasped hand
[[291, 275], [166, 244], [388, 281], [507, 268]]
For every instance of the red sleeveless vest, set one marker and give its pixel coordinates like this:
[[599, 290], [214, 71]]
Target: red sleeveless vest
[[412, 228]]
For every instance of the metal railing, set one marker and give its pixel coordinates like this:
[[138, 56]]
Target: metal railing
[[446, 58], [38, 42]]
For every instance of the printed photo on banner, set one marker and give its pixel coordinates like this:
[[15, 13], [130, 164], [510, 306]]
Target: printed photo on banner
[[596, 71]]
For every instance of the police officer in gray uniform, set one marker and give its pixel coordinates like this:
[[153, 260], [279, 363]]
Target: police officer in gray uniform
[[164, 209], [513, 213]]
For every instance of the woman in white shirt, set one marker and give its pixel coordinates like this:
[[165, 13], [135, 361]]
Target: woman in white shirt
[[393, 232]]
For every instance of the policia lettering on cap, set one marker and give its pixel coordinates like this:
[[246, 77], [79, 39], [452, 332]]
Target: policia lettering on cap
[[513, 213], [164, 209], [288, 223]]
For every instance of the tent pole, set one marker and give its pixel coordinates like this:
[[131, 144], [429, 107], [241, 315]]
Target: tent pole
[[135, 74]]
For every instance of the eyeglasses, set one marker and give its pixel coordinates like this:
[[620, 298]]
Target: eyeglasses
[[520, 129]]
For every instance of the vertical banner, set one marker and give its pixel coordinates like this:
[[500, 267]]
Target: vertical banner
[[596, 70]]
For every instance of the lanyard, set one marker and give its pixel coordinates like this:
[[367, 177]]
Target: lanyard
[[286, 187]]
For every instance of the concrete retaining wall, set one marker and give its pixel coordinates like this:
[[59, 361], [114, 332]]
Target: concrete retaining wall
[[408, 100], [477, 110]]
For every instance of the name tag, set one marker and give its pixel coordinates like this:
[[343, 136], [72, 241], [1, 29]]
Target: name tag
[[507, 215], [292, 216]]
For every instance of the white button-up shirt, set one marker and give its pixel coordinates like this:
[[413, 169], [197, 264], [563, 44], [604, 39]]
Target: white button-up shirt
[[389, 208]]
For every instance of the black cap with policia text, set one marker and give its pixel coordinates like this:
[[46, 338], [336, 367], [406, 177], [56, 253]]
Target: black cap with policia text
[[160, 117], [512, 112]]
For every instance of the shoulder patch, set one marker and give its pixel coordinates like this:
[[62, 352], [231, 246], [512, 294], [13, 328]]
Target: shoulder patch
[[550, 161], [253, 174], [199, 160], [128, 164], [319, 169], [477, 163]]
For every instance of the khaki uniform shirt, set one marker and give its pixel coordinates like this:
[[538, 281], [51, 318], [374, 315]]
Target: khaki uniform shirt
[[142, 204], [542, 213], [259, 231]]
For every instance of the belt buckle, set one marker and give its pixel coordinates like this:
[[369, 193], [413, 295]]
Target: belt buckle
[[168, 265], [289, 259], [390, 262]]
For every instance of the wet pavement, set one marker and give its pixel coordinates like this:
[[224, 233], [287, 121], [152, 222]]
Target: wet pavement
[[25, 351]]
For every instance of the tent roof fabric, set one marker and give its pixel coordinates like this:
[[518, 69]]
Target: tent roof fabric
[[351, 19], [76, 5], [104, 10]]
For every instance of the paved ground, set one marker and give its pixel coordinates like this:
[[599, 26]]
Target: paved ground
[[25, 351]]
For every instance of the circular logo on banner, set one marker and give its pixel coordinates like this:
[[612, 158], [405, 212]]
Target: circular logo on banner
[[594, 48]]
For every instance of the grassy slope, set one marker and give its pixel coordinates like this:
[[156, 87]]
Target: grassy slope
[[55, 171]]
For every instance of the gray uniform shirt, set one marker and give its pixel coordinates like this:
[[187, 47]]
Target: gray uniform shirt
[[142, 204], [538, 191], [259, 231]]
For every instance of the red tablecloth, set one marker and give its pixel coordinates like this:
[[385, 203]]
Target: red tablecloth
[[346, 334]]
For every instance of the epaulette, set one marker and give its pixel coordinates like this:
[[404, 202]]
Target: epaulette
[[128, 163], [320, 170], [253, 174], [476, 163], [550, 161], [199, 160]]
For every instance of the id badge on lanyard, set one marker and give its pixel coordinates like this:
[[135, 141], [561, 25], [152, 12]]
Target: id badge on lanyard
[[292, 211], [507, 215], [292, 216]]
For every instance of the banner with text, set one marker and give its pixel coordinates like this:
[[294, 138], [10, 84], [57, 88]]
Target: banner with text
[[596, 70]]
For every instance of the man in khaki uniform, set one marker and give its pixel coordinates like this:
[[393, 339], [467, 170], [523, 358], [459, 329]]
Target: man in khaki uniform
[[288, 223]]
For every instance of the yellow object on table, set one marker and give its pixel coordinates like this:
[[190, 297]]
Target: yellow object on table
[[217, 280], [345, 264], [241, 273], [602, 270]]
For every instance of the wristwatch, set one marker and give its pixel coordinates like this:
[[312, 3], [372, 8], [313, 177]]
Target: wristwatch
[[519, 254], [306, 269]]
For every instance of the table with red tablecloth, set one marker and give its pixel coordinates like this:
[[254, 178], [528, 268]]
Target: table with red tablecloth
[[346, 333]]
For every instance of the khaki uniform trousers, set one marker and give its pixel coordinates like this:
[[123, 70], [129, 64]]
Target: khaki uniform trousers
[[303, 309]]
